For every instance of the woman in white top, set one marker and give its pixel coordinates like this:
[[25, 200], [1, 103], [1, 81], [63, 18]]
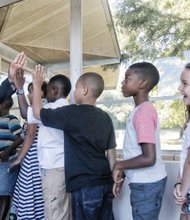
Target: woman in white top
[[182, 186]]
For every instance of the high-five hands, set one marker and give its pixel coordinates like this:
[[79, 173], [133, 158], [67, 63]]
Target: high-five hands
[[16, 64], [38, 76]]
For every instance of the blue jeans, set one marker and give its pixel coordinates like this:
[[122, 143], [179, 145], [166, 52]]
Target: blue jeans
[[7, 178], [146, 199], [92, 203]]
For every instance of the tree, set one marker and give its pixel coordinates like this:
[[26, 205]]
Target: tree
[[152, 28], [171, 113]]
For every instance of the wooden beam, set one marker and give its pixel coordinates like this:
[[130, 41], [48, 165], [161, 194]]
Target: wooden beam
[[8, 2]]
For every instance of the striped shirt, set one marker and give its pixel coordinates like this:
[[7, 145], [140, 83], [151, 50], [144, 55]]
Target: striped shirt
[[9, 128]]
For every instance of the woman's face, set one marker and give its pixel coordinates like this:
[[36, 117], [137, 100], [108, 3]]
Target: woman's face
[[184, 87], [30, 94]]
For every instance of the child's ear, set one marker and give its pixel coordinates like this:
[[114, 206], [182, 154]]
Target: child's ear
[[143, 84], [55, 90], [85, 90]]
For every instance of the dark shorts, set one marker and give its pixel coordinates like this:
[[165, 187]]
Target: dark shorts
[[146, 199], [7, 178]]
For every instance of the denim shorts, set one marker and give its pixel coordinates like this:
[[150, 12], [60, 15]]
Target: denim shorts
[[7, 178], [92, 203], [146, 199]]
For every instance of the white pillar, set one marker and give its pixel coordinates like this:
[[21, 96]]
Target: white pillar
[[75, 43]]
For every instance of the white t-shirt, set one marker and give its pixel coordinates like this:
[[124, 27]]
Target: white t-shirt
[[185, 147], [50, 140], [143, 127]]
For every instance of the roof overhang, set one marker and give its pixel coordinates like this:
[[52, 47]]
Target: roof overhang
[[41, 28], [7, 2]]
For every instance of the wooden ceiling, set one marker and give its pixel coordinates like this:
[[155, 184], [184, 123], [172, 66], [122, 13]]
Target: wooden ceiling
[[40, 28]]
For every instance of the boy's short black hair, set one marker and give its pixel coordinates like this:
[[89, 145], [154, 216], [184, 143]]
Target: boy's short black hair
[[147, 71], [63, 82], [8, 103], [94, 81]]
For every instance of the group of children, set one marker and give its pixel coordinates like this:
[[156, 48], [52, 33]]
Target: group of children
[[68, 155], [10, 137]]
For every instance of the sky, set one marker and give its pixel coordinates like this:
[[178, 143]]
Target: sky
[[111, 3]]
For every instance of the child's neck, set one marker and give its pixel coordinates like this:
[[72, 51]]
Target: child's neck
[[57, 98], [88, 101], [140, 99]]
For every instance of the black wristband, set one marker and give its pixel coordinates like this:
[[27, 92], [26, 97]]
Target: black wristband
[[177, 184]]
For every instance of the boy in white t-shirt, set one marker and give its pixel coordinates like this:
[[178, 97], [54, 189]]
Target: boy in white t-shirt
[[51, 153], [143, 165]]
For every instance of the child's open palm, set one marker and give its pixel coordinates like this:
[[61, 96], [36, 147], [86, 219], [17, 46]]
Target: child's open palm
[[38, 76], [17, 63]]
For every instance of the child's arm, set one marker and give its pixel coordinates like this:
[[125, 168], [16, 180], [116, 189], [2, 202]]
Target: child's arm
[[37, 79], [185, 180], [28, 140], [146, 159], [19, 83], [6, 153], [111, 155], [177, 191]]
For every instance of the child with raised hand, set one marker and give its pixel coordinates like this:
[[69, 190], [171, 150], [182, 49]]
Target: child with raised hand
[[89, 143], [10, 139], [51, 153], [182, 186], [28, 200], [142, 162], [7, 88]]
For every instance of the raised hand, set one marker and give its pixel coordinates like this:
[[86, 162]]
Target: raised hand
[[38, 76], [19, 79], [17, 63], [37, 79]]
